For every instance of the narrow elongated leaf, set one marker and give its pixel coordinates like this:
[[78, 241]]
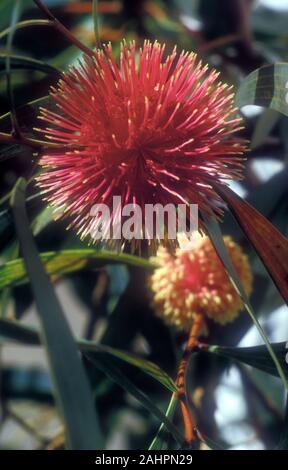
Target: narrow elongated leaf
[[146, 366], [265, 124], [26, 63], [213, 445], [160, 441], [6, 226], [15, 331], [12, 251], [73, 393], [118, 377], [58, 263], [267, 86], [6, 7], [256, 356], [26, 112], [25, 24], [269, 243], [41, 220], [216, 238]]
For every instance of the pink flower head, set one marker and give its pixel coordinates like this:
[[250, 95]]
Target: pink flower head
[[153, 128], [194, 282]]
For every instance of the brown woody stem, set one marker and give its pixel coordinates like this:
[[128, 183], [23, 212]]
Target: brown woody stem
[[188, 419]]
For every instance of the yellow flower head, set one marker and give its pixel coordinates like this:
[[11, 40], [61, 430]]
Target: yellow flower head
[[194, 282]]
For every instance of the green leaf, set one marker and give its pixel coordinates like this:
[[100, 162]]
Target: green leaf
[[266, 86], [256, 356], [62, 262], [25, 24], [118, 377], [73, 393], [26, 63], [6, 220], [6, 224], [265, 124], [41, 220], [147, 367], [216, 238], [160, 441], [6, 7], [15, 331], [28, 110], [213, 445], [11, 252]]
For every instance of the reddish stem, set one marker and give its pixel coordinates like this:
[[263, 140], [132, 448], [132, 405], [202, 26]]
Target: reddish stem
[[62, 29], [188, 419]]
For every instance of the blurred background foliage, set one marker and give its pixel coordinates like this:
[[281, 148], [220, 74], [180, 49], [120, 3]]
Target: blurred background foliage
[[237, 406]]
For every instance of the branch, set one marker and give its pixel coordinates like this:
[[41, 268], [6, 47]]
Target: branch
[[62, 29], [191, 433]]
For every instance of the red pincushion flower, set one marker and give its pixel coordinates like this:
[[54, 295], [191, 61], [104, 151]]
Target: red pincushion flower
[[149, 129]]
